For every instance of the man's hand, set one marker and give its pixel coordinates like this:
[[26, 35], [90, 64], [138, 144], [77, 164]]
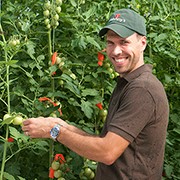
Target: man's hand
[[40, 127]]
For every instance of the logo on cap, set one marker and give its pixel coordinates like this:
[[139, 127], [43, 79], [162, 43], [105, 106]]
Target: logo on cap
[[117, 16]]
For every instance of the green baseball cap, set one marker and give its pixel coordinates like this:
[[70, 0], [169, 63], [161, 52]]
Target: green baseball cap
[[125, 22]]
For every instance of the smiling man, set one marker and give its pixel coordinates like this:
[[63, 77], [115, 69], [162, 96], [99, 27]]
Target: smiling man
[[131, 144]]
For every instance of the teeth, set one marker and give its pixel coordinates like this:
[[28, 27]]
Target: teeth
[[119, 60]]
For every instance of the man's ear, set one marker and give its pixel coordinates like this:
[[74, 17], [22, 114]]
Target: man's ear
[[144, 42]]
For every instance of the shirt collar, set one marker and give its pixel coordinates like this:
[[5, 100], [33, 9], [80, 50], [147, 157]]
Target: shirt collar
[[137, 72]]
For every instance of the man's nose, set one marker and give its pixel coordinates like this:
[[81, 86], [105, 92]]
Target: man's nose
[[117, 50]]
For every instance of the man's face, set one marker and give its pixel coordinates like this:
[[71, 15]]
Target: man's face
[[126, 54]]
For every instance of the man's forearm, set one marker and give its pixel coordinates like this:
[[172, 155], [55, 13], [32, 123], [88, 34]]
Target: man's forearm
[[77, 130]]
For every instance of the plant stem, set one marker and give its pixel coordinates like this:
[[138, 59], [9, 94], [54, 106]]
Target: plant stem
[[51, 143], [8, 105]]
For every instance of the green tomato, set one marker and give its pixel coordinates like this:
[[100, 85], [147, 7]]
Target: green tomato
[[17, 41], [46, 21], [103, 112], [112, 76], [107, 65], [58, 60], [18, 120], [61, 82], [13, 42], [57, 174], [47, 5], [58, 9], [48, 26], [58, 2], [92, 175], [56, 17], [8, 119], [110, 70], [61, 178], [46, 13], [6, 116], [87, 172], [53, 114], [55, 165]]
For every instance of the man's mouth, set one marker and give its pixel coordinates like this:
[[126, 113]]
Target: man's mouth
[[120, 60]]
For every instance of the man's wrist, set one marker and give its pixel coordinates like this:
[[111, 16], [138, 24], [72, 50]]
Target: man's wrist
[[55, 131]]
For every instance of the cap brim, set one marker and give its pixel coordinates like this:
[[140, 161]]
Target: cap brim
[[122, 31]]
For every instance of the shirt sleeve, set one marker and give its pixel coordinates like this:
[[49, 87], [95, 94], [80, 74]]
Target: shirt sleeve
[[135, 110]]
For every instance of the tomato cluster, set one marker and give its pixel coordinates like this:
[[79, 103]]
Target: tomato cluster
[[58, 167], [87, 172], [111, 71], [59, 60], [51, 13], [14, 41], [14, 118]]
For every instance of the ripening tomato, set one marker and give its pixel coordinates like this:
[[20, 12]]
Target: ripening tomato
[[17, 120]]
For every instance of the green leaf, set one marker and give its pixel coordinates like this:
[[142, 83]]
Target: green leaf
[[90, 92], [7, 121], [20, 178], [73, 3], [8, 176], [167, 78], [161, 37], [11, 62], [86, 107], [168, 169], [30, 49], [93, 42], [17, 135], [89, 13], [25, 26], [41, 145], [73, 88]]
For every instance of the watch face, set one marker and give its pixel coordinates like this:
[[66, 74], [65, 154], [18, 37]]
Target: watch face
[[55, 131]]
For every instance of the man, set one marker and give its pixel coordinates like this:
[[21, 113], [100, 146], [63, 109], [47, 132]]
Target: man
[[131, 145]]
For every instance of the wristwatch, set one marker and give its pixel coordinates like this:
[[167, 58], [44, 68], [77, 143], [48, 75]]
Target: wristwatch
[[54, 132]]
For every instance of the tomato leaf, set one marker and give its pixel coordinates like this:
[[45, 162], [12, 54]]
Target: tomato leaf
[[86, 107], [90, 92], [93, 42], [8, 176]]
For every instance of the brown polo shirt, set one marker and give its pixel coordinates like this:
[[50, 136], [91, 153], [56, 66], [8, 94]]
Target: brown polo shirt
[[138, 111]]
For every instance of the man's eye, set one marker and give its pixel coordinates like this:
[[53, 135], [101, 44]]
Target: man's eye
[[124, 42], [109, 43]]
